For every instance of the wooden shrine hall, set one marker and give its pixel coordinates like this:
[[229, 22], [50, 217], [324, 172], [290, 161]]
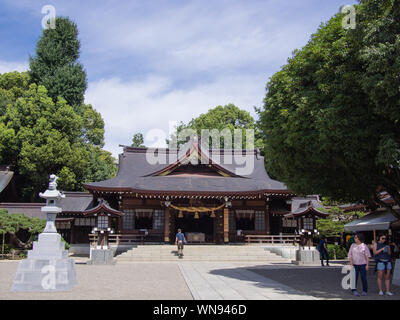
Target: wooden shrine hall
[[203, 192]]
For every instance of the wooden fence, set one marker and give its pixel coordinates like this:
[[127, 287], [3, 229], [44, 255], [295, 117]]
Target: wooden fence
[[273, 239], [120, 238]]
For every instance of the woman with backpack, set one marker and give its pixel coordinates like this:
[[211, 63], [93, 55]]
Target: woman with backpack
[[382, 254]]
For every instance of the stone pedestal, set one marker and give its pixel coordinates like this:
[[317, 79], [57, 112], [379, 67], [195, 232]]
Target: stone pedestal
[[47, 267], [101, 257], [307, 256], [396, 273]]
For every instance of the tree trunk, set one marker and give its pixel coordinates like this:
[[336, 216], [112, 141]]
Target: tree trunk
[[14, 241], [2, 244]]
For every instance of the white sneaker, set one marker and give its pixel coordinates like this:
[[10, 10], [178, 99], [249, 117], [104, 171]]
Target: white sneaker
[[388, 293], [381, 293]]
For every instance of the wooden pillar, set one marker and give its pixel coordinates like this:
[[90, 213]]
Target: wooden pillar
[[119, 225], [166, 224], [267, 226], [72, 240], [374, 236], [226, 224]]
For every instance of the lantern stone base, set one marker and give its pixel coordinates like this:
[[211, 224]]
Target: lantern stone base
[[306, 256], [47, 267], [101, 257]]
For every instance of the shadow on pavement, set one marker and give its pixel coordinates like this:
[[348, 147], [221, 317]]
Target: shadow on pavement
[[320, 282]]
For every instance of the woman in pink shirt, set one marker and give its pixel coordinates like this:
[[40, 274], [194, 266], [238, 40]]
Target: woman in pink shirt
[[359, 255]]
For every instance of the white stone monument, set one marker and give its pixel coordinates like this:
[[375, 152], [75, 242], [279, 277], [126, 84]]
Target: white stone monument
[[47, 267]]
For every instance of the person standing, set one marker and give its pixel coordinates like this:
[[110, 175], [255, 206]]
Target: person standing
[[323, 251], [359, 255], [382, 254], [179, 241]]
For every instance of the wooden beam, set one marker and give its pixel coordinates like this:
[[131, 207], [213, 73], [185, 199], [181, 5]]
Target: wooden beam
[[226, 224]]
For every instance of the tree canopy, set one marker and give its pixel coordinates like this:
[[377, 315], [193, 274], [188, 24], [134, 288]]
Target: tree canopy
[[12, 223], [330, 119], [138, 140], [39, 137], [228, 117]]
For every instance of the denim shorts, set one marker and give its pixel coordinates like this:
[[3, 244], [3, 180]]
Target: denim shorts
[[381, 266]]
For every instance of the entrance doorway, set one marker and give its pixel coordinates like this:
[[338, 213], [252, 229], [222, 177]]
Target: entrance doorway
[[204, 224]]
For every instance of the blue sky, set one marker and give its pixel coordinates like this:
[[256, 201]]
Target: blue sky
[[153, 61]]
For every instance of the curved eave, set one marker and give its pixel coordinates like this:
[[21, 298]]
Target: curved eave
[[308, 210], [104, 208], [264, 192]]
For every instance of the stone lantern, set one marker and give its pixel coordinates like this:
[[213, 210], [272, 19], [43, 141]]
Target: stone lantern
[[47, 267], [52, 196]]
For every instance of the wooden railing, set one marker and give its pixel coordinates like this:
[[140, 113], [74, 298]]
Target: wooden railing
[[275, 239], [120, 238]]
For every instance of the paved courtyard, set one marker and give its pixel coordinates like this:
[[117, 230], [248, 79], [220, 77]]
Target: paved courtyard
[[198, 280]]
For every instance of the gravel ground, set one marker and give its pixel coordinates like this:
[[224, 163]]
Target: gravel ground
[[323, 282], [134, 281]]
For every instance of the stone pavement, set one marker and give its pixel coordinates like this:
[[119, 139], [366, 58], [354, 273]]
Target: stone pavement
[[233, 281], [187, 280], [124, 281]]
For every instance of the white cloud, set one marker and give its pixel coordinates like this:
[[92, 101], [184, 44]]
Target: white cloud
[[139, 106], [8, 66]]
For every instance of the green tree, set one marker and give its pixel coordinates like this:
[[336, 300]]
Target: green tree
[[39, 137], [11, 224], [333, 225], [56, 65], [330, 120], [138, 140], [228, 117]]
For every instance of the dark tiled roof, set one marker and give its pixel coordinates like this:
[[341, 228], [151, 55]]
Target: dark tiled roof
[[135, 174], [309, 204], [138, 174], [75, 202]]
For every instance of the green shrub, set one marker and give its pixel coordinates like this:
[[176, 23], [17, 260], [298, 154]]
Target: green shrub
[[66, 244], [341, 252]]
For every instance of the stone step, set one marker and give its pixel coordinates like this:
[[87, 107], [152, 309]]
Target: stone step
[[204, 258], [200, 253]]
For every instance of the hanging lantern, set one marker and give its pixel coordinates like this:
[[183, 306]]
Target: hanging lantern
[[180, 215], [212, 214], [196, 215]]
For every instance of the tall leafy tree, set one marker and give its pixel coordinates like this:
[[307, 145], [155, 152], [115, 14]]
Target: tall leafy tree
[[56, 65], [331, 116]]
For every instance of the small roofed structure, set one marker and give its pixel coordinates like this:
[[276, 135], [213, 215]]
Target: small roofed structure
[[305, 211], [379, 220]]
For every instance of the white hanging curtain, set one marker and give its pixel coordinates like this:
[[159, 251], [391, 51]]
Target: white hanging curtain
[[144, 213], [241, 214]]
